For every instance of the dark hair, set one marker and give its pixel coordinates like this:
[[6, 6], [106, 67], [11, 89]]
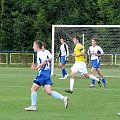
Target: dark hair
[[63, 38], [79, 39], [95, 39], [44, 44], [39, 43]]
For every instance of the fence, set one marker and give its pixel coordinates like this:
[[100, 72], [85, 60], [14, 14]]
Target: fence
[[29, 57], [17, 57], [107, 59]]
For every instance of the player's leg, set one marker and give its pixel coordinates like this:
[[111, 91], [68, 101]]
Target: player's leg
[[101, 76], [74, 69], [62, 66], [93, 70], [34, 89], [83, 69], [87, 75], [55, 94], [70, 90]]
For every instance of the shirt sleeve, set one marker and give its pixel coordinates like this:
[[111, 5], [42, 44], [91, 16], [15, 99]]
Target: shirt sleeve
[[50, 55], [42, 56], [101, 50], [82, 50], [88, 52], [66, 49]]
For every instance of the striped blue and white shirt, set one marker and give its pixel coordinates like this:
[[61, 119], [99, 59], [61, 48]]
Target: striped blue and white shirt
[[64, 50], [42, 56], [95, 49]]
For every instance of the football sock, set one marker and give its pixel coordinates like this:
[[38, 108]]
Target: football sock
[[57, 95], [33, 98], [64, 72], [93, 77], [71, 84], [103, 80], [93, 82]]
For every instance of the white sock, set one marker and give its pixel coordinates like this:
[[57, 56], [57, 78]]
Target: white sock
[[57, 95], [93, 77], [71, 84], [33, 98]]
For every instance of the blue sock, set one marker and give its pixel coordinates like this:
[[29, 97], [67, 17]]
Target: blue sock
[[33, 98], [64, 72], [93, 82], [103, 80], [63, 75], [57, 95]]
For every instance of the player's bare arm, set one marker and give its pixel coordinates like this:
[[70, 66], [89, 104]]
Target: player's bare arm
[[98, 54], [36, 67]]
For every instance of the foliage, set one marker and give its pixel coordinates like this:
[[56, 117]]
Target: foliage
[[23, 21]]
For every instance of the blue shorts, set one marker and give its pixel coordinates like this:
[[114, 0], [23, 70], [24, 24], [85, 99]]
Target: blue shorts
[[63, 60], [43, 78], [96, 63]]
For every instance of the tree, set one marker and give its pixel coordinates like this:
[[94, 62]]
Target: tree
[[23, 21], [109, 12]]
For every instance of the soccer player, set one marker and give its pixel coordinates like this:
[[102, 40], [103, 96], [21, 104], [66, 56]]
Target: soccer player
[[80, 65], [96, 52], [63, 54], [49, 56], [42, 78]]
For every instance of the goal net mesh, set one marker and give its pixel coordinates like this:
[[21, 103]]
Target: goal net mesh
[[108, 38]]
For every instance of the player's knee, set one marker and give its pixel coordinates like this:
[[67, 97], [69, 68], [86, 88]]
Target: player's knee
[[48, 92], [33, 89], [60, 65], [86, 75], [72, 76]]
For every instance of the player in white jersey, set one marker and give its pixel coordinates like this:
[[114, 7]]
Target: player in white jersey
[[42, 78], [49, 55], [63, 54], [96, 52]]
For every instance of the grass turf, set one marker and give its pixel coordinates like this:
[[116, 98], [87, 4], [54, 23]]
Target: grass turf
[[84, 103]]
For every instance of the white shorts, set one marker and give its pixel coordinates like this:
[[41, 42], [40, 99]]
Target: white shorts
[[79, 66]]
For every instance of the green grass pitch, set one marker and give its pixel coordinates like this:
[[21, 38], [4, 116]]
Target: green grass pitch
[[84, 104]]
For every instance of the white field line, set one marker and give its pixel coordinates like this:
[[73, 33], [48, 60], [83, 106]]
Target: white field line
[[112, 76], [60, 88]]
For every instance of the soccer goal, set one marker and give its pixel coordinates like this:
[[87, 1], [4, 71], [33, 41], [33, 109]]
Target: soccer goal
[[108, 38]]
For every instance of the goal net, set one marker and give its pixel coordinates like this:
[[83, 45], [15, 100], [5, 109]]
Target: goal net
[[108, 37]]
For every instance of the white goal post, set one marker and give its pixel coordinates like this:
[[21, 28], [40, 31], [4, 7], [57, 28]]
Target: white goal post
[[85, 32]]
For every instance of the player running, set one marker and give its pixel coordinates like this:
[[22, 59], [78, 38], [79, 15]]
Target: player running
[[80, 65], [42, 78], [49, 55], [96, 52], [63, 54]]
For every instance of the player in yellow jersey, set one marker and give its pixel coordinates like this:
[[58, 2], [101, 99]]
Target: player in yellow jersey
[[79, 65]]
